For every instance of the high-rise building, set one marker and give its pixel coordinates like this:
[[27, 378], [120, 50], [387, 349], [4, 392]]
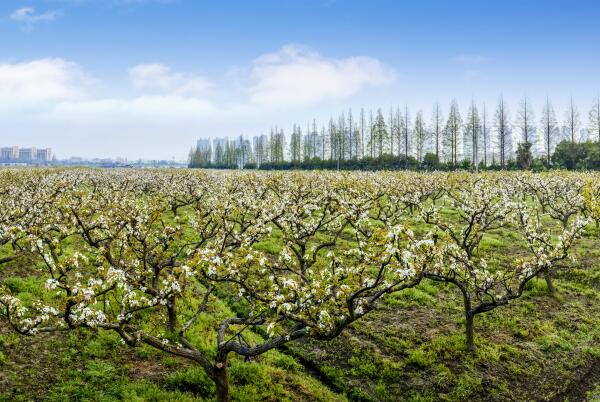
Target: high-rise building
[[27, 154], [9, 154], [44, 155]]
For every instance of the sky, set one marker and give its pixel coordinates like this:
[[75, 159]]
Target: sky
[[147, 78]]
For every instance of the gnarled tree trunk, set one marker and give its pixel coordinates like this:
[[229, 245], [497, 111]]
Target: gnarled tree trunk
[[221, 378]]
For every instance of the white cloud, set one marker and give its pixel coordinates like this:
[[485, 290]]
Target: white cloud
[[151, 107], [160, 78], [294, 76], [41, 80], [28, 17]]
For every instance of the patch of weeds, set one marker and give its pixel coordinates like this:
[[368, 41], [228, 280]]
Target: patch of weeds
[[193, 380], [335, 375], [287, 363], [419, 358], [447, 347], [170, 361], [467, 385], [391, 370], [144, 391], [364, 363], [442, 376], [409, 297], [248, 373], [99, 372], [553, 343]]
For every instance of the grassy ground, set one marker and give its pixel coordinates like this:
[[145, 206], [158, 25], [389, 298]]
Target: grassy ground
[[537, 348], [412, 348], [89, 365]]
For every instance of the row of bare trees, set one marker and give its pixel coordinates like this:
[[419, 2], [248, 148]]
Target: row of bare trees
[[483, 137]]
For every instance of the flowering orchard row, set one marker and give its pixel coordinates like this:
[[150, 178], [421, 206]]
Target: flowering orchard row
[[144, 253]]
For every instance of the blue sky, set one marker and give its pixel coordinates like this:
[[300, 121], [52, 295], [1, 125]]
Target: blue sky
[[143, 78]]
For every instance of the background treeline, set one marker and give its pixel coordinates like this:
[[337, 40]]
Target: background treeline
[[393, 140]]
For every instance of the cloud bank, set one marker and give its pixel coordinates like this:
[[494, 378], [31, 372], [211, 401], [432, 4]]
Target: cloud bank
[[57, 102], [290, 78]]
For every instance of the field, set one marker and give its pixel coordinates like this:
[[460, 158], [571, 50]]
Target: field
[[198, 285]]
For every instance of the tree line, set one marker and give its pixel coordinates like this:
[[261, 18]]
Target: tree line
[[481, 139]]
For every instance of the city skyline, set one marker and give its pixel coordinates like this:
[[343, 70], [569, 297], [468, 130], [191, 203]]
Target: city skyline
[[151, 77]]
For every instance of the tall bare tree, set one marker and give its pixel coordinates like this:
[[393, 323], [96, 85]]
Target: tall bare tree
[[452, 132], [572, 122], [437, 125], [549, 127], [362, 132], [472, 132], [371, 138], [406, 132], [484, 135], [392, 131], [323, 143], [399, 125], [503, 131], [296, 144], [380, 133], [315, 135], [594, 115], [351, 139], [525, 121], [420, 136]]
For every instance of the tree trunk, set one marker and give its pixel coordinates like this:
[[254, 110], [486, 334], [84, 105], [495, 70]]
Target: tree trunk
[[172, 313], [549, 284], [221, 378], [469, 331], [468, 322]]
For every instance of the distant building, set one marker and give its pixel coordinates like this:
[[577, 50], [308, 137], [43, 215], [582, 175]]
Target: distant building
[[27, 154], [44, 155], [9, 154]]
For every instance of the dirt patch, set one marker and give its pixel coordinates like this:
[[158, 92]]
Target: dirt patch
[[586, 379]]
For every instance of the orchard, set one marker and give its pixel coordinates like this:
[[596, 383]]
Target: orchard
[[148, 255]]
